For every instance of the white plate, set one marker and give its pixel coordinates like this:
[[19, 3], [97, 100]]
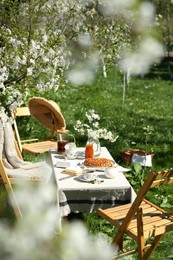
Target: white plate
[[79, 155], [81, 178]]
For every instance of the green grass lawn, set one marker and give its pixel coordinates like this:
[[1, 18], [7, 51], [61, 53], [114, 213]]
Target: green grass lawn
[[148, 102]]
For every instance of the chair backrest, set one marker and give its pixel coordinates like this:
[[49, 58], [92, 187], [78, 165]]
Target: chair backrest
[[163, 177], [21, 112], [154, 179]]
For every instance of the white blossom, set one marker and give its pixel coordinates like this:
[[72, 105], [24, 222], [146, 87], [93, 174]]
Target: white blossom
[[29, 71], [92, 129], [84, 40], [139, 62], [80, 76], [110, 7], [38, 235]]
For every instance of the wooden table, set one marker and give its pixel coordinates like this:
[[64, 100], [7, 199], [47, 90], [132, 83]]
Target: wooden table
[[86, 196]]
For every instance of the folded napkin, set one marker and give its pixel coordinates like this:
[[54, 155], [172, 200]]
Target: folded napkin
[[63, 163], [143, 160], [73, 170]]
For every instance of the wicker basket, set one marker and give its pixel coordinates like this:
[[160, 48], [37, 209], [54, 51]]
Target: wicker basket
[[126, 155]]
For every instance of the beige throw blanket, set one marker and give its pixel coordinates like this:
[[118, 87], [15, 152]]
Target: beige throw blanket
[[15, 167]]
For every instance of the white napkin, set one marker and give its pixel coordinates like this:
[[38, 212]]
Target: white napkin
[[143, 160], [63, 163], [75, 170]]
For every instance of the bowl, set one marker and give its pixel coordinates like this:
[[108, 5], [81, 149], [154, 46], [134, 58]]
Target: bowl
[[111, 172]]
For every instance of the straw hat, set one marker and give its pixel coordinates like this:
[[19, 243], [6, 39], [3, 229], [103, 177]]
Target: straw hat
[[48, 113]]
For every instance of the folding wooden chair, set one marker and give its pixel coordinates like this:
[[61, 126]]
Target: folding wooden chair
[[10, 181], [36, 145], [141, 219]]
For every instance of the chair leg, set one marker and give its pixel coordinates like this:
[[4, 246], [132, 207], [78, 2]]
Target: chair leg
[[16, 206], [152, 247], [118, 243], [141, 241], [10, 191]]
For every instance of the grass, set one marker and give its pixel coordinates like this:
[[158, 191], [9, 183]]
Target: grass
[[148, 102]]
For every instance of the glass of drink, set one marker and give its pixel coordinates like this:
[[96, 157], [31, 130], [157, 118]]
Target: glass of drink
[[61, 146], [63, 140], [89, 151]]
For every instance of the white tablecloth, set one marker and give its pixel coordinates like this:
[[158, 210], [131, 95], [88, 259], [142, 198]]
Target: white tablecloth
[[87, 197]]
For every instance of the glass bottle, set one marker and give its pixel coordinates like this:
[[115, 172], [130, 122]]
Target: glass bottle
[[89, 151], [93, 148]]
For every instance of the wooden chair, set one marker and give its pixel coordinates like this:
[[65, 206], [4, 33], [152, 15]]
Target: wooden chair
[[10, 181], [141, 220], [36, 145]]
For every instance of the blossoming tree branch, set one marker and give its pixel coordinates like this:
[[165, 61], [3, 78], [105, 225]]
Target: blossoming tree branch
[[47, 44]]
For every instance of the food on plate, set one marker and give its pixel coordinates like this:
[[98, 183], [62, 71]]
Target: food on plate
[[98, 162]]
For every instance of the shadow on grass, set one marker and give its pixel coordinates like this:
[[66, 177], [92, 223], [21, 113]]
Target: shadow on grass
[[164, 70]]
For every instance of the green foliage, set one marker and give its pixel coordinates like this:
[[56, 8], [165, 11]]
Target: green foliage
[[35, 25], [40, 40], [164, 10], [137, 175], [147, 103]]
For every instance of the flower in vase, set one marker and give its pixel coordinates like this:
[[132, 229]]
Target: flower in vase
[[92, 128]]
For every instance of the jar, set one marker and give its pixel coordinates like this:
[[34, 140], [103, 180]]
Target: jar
[[93, 148], [63, 139], [89, 151]]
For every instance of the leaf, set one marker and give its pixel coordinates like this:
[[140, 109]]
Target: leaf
[[165, 203], [137, 168]]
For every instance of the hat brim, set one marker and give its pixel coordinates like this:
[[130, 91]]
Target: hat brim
[[47, 112]]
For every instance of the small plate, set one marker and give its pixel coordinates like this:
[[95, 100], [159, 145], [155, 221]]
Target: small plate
[[81, 178], [78, 155]]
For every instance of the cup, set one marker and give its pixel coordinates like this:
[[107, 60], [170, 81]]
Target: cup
[[70, 150], [88, 175]]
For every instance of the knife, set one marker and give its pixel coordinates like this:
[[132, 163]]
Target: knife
[[66, 177]]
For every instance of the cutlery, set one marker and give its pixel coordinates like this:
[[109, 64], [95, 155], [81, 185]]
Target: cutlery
[[66, 177]]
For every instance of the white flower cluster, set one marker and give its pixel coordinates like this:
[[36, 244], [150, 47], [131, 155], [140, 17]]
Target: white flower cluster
[[92, 128], [37, 61]]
